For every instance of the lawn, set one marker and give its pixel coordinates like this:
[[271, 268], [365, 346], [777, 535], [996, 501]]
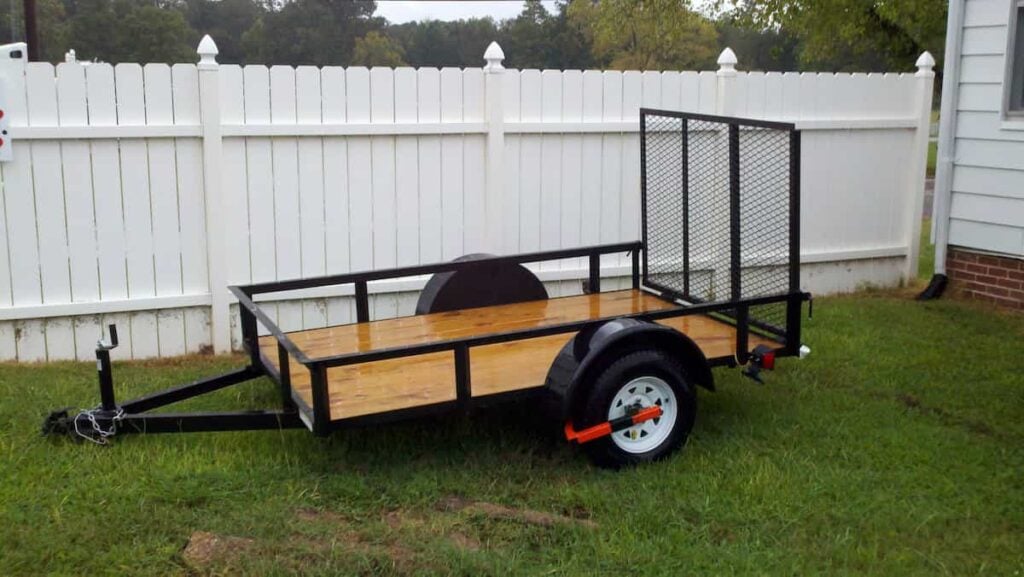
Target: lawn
[[897, 447]]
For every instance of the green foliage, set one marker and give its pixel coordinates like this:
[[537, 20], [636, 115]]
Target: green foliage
[[438, 44], [764, 50], [895, 448], [853, 34], [575, 34], [318, 32], [647, 34], [376, 49]]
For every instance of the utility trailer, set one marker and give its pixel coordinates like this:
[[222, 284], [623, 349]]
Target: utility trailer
[[715, 282]]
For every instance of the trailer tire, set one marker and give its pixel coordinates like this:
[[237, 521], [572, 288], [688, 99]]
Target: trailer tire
[[648, 377]]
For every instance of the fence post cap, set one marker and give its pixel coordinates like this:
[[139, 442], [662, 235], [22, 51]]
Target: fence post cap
[[494, 55], [207, 51], [727, 63], [925, 63], [69, 56]]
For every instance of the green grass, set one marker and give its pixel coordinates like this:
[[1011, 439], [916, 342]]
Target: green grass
[[933, 155], [896, 448]]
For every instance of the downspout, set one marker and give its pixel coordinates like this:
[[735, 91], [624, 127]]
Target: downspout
[[947, 142]]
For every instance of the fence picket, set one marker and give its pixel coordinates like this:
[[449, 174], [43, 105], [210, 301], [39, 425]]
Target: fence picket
[[77, 174], [189, 163]]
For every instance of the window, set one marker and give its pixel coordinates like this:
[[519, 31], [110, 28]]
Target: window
[[1015, 57]]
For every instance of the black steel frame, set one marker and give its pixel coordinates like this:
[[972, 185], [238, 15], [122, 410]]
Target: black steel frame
[[295, 410], [737, 309]]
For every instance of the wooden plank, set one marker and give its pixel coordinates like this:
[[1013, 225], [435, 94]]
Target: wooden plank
[[163, 177], [111, 244], [191, 203], [138, 223], [78, 191], [48, 185], [407, 201], [451, 167], [425, 379], [429, 173]]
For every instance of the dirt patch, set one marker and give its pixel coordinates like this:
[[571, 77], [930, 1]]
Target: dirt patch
[[464, 542], [206, 549], [319, 516], [495, 511], [911, 402]]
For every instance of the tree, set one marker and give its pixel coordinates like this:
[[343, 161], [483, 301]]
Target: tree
[[436, 43], [145, 32], [320, 32], [646, 34], [226, 21], [376, 49], [857, 34], [768, 49]]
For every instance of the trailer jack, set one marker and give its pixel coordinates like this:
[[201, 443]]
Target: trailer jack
[[103, 422]]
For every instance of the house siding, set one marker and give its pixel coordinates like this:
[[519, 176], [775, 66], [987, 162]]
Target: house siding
[[987, 197]]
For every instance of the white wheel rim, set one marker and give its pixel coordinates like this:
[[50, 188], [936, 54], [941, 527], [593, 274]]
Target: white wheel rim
[[643, 392]]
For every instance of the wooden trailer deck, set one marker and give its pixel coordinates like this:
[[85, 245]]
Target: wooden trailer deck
[[403, 383]]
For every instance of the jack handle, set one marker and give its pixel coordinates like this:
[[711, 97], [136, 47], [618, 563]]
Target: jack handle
[[109, 344]]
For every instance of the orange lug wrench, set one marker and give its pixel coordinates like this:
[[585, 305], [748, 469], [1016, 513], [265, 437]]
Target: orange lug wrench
[[609, 427]]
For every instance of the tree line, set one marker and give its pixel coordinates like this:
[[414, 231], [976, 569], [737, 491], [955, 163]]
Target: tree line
[[577, 34]]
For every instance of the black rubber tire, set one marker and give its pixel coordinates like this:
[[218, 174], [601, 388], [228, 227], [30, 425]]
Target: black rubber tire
[[604, 452]]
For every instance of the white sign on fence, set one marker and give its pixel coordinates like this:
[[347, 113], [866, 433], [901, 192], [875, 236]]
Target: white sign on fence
[[139, 193]]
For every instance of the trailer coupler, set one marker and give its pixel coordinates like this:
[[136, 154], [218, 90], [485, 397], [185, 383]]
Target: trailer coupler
[[612, 426], [100, 424]]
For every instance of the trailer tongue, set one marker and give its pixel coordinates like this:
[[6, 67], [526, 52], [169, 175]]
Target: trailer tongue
[[714, 282]]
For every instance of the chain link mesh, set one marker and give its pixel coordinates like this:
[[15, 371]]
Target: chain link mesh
[[688, 203]]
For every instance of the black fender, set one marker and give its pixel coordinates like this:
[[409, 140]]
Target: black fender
[[592, 349], [479, 286]]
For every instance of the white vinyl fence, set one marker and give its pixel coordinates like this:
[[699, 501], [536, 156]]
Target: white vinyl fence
[[136, 194]]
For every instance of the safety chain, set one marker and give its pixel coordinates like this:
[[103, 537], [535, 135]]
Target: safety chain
[[99, 435]]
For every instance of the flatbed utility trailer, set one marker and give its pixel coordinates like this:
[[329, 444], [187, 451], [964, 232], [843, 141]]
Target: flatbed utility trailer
[[715, 282]]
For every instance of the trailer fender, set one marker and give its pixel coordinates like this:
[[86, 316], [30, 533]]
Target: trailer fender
[[479, 286], [593, 348]]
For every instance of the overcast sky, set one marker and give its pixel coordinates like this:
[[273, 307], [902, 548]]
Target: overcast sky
[[406, 11]]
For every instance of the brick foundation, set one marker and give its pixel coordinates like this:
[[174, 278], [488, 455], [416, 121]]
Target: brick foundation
[[997, 279]]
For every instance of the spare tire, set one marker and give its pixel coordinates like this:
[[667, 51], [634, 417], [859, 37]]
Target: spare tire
[[479, 286]]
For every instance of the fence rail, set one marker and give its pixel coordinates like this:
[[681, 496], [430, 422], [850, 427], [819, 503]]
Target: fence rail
[[137, 194]]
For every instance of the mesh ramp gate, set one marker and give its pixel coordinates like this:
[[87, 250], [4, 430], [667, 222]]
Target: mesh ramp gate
[[733, 185]]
